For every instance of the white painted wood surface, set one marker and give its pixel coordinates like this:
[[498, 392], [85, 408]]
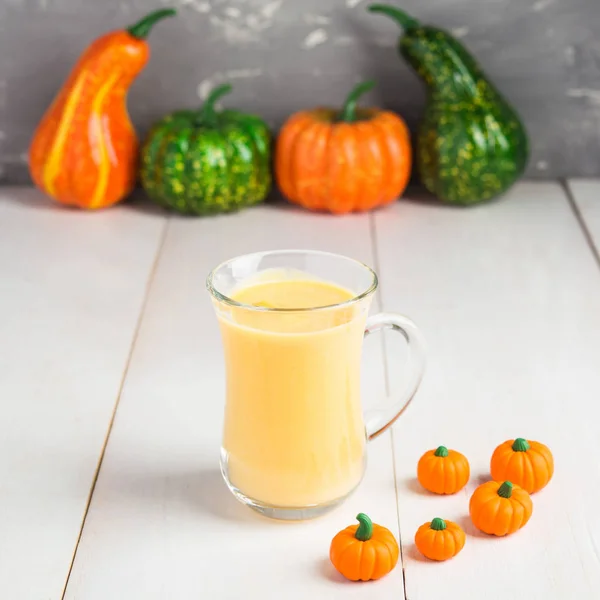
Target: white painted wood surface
[[71, 289], [586, 194], [508, 296], [162, 525]]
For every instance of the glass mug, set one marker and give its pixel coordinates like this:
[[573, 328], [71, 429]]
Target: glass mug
[[294, 438]]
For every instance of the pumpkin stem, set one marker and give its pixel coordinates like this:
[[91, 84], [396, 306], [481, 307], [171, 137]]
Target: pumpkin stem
[[438, 524], [520, 445], [365, 529], [348, 112], [441, 451], [505, 490], [208, 113], [141, 29], [405, 21]]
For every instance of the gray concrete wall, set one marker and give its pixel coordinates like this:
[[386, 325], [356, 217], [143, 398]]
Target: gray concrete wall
[[283, 55]]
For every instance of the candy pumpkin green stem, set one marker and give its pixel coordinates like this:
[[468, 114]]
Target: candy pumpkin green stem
[[441, 451], [142, 28], [505, 490], [207, 113], [438, 524], [405, 21], [520, 445], [365, 529], [348, 112]]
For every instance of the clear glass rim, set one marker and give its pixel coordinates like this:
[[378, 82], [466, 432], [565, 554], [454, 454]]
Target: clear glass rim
[[354, 300]]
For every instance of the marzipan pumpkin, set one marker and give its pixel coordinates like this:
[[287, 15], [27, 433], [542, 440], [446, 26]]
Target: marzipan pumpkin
[[500, 508], [526, 463], [439, 539], [84, 151], [340, 161], [207, 160], [443, 471], [471, 144], [365, 551]]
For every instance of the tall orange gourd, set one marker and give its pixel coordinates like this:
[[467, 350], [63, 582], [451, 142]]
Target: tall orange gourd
[[84, 151]]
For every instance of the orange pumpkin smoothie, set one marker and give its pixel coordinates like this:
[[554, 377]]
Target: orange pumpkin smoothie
[[294, 433]]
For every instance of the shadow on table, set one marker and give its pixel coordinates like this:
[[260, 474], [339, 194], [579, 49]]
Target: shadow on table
[[139, 202], [470, 529], [35, 199], [413, 553], [190, 491], [206, 491], [412, 484], [326, 570]]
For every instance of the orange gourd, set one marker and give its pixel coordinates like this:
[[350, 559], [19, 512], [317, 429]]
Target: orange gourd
[[84, 151], [443, 471], [526, 463], [500, 508], [439, 539], [365, 551], [343, 161]]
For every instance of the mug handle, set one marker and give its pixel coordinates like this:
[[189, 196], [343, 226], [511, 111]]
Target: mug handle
[[379, 420]]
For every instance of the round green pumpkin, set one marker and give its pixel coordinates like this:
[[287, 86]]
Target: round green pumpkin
[[207, 161]]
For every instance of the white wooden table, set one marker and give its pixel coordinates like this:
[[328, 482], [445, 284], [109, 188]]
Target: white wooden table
[[111, 384]]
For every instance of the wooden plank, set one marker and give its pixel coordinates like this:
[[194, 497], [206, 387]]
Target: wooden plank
[[508, 296], [72, 286], [162, 524], [586, 195]]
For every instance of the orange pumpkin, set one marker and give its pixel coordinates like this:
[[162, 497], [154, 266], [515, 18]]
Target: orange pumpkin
[[365, 551], [343, 161], [84, 151], [500, 508], [526, 463], [439, 539], [443, 471]]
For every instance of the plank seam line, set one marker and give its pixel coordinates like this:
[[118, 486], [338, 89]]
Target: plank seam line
[[375, 252], [587, 234], [136, 331]]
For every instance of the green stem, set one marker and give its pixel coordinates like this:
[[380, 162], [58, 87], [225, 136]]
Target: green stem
[[438, 524], [142, 28], [208, 113], [365, 529], [405, 21], [505, 490], [348, 112], [441, 451], [520, 445]]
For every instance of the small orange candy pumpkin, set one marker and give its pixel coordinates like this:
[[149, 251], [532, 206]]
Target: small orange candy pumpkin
[[365, 551], [500, 508], [344, 161], [439, 539], [526, 463], [443, 471]]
